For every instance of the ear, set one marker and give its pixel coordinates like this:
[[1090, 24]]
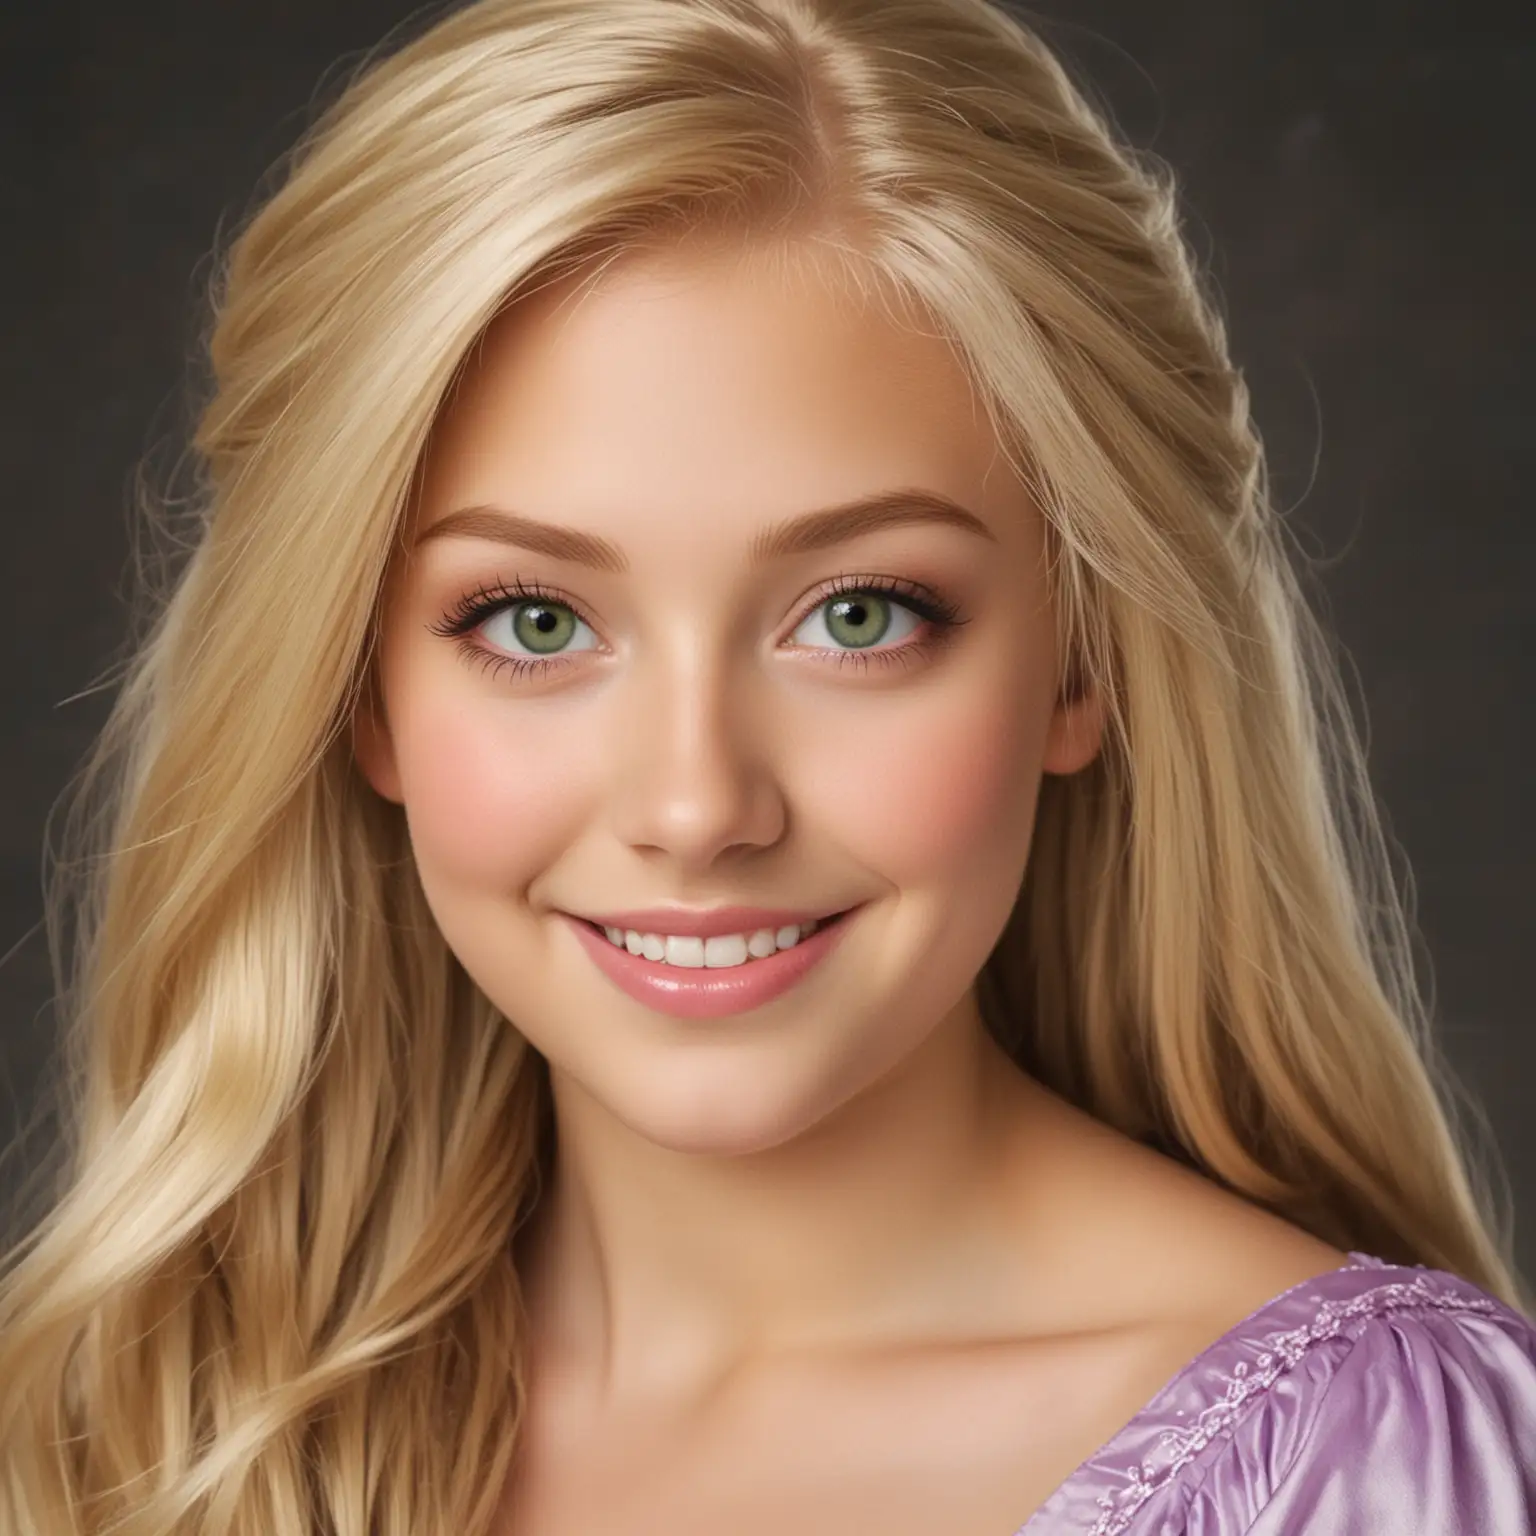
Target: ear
[[1076, 732], [373, 746]]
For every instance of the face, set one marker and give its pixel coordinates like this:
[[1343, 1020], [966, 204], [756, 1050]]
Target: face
[[659, 664]]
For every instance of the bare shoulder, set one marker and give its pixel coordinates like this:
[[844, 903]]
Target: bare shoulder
[[1225, 1255], [1223, 1258], [1130, 1265], [1158, 1249]]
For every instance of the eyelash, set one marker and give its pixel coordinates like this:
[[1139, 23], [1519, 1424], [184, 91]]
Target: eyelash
[[485, 602]]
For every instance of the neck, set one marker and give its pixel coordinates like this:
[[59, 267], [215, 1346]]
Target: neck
[[891, 1218]]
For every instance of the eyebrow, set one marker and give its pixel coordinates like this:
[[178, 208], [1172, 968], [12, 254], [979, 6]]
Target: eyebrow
[[800, 535]]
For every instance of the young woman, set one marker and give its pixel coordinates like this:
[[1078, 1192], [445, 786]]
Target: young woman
[[735, 892]]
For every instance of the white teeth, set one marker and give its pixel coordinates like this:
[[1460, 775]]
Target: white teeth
[[687, 951], [720, 952], [725, 949]]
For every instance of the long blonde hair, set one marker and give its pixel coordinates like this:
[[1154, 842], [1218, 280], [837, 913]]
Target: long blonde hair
[[275, 1290]]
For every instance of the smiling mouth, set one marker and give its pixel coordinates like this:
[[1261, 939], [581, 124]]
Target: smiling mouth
[[725, 951]]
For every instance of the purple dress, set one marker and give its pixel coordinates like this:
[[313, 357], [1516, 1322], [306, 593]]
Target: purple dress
[[1375, 1400]]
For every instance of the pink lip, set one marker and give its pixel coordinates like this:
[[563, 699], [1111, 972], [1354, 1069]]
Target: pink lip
[[688, 992], [707, 924]]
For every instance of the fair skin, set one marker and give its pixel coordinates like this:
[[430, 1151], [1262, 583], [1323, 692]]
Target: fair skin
[[833, 1263]]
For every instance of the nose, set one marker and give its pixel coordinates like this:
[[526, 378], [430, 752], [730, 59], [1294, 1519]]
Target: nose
[[691, 778]]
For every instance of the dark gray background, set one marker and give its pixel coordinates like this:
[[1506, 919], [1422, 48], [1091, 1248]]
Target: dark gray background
[[1357, 176]]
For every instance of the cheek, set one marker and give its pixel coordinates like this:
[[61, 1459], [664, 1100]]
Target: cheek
[[490, 792], [945, 783]]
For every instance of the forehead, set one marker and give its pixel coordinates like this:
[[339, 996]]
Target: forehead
[[691, 383]]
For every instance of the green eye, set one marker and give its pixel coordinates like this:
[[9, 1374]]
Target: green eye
[[543, 628], [538, 629], [859, 620], [855, 621]]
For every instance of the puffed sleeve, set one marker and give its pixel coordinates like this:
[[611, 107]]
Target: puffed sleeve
[[1427, 1427]]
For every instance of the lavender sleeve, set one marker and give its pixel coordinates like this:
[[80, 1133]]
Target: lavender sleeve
[[1415, 1415], [1375, 1400], [1426, 1424]]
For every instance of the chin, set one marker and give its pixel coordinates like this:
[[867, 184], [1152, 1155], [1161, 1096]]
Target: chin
[[721, 1108]]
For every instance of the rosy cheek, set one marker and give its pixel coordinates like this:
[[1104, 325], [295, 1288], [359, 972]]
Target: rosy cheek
[[925, 792], [492, 790]]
